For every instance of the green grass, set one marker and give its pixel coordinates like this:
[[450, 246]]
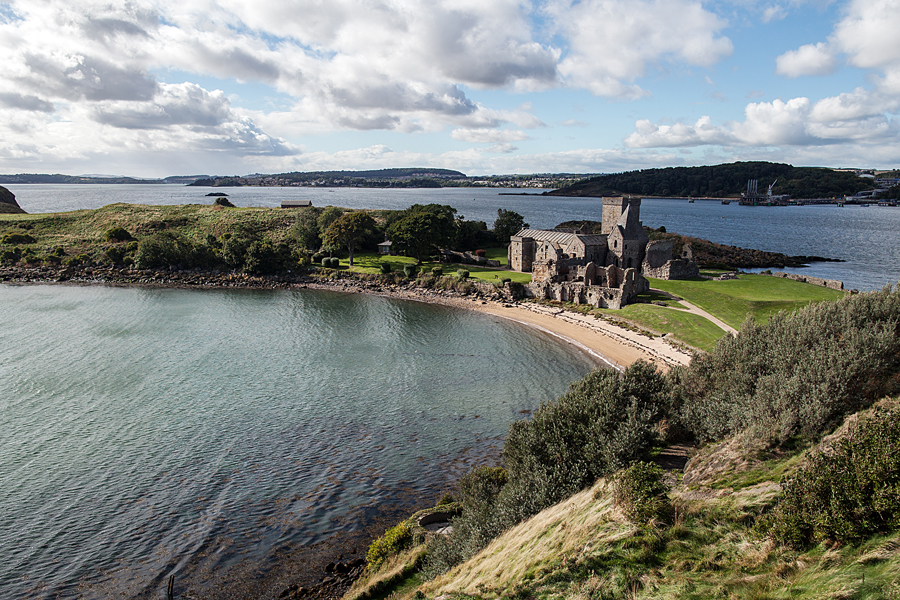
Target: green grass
[[688, 328], [369, 262], [757, 296]]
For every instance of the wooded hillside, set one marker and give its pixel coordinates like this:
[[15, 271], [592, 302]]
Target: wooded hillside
[[721, 181]]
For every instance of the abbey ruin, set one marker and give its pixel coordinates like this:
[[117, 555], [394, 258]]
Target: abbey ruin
[[605, 270]]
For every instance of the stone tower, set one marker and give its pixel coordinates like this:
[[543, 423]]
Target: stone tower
[[613, 207]]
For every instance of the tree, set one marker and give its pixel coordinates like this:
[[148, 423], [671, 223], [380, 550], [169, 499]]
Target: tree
[[350, 230], [508, 223], [424, 228], [306, 229]]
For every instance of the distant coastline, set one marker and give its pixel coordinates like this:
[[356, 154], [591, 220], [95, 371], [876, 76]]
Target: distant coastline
[[608, 344]]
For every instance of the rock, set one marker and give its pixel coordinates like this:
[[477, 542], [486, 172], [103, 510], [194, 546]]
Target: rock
[[8, 202]]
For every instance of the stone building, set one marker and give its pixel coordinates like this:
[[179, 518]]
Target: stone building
[[604, 270]]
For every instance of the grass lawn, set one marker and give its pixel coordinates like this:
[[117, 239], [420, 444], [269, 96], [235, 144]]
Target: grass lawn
[[688, 328], [369, 262], [759, 296]]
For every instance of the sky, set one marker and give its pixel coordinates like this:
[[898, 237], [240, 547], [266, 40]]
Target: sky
[[153, 88]]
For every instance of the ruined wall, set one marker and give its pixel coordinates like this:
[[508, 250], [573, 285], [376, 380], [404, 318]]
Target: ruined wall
[[631, 283], [674, 269], [658, 253], [833, 284]]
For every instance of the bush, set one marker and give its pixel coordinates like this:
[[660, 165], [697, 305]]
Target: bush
[[261, 259], [164, 249], [10, 256], [385, 268], [799, 374], [395, 540], [410, 270], [59, 251], [221, 201], [480, 253], [18, 238], [117, 234], [462, 274], [234, 250], [602, 423], [437, 271], [641, 493], [847, 495], [114, 254]]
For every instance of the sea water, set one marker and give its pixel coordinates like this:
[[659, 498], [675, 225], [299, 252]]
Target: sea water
[[211, 434], [865, 238]]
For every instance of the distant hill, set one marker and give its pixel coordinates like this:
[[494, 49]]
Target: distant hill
[[57, 178], [67, 179], [727, 180], [406, 177]]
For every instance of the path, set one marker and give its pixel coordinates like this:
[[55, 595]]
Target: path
[[693, 308]]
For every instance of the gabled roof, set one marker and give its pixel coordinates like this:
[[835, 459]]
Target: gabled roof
[[546, 235], [561, 237]]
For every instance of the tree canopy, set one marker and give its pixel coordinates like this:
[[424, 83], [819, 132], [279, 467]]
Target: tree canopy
[[424, 228], [721, 180], [349, 230], [508, 223]]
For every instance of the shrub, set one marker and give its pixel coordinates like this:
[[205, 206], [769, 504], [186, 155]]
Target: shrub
[[234, 250], [480, 253], [18, 238], [117, 234], [221, 201], [114, 254], [462, 274], [603, 422], [641, 493], [505, 280], [261, 259], [395, 540], [59, 251], [798, 374], [410, 270], [164, 249], [481, 486], [385, 267], [437, 271], [848, 494], [10, 256]]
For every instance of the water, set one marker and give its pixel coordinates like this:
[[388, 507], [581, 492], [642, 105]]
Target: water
[[212, 434], [864, 237]]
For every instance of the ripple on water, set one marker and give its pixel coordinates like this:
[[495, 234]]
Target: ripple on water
[[220, 435]]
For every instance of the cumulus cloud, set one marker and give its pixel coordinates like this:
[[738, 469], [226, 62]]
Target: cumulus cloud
[[484, 136], [811, 59], [853, 117], [613, 43], [25, 102]]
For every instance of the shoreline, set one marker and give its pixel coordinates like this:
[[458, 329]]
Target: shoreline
[[332, 564], [606, 342]]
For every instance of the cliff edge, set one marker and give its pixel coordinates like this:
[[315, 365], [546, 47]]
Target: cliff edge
[[8, 202]]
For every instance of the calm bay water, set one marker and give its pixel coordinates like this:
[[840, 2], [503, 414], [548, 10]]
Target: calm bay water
[[210, 434], [865, 237]]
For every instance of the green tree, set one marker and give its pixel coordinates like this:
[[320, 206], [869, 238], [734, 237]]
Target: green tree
[[508, 223], [306, 229], [424, 228], [350, 230]]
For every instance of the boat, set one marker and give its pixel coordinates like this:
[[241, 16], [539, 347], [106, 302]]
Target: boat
[[690, 200], [726, 201]]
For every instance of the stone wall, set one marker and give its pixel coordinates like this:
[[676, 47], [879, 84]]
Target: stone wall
[[630, 281], [833, 284], [658, 253], [674, 269]]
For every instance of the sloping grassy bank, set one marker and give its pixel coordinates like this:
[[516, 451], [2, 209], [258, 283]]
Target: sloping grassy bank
[[780, 501]]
